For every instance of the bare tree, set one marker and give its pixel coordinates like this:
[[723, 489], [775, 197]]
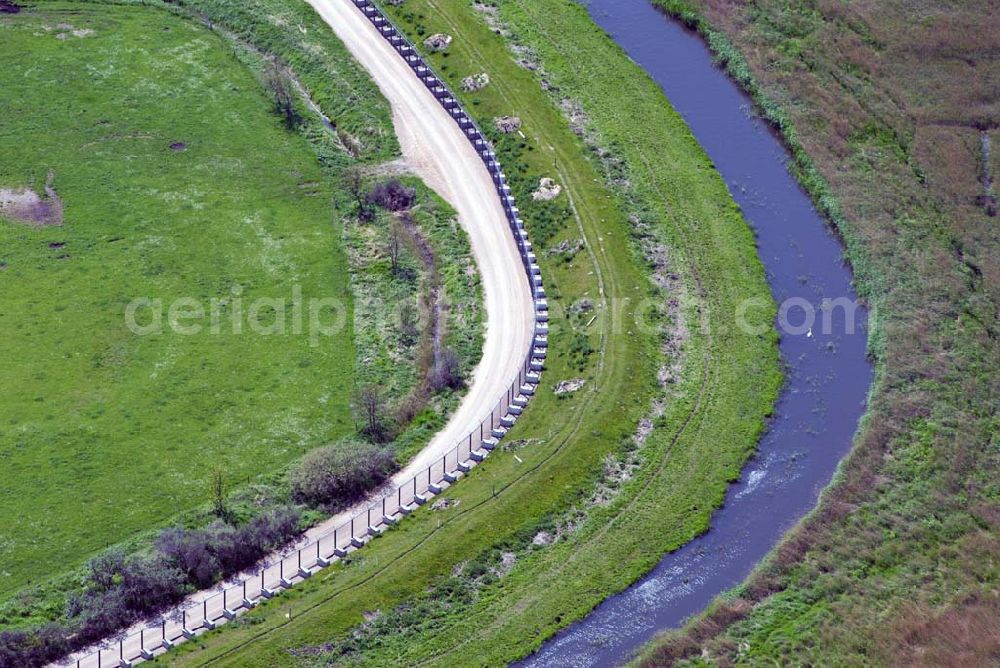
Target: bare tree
[[219, 495], [371, 404], [279, 82], [447, 371]]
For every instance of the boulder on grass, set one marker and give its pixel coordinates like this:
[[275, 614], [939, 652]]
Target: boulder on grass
[[508, 124], [475, 82], [437, 42], [547, 189]]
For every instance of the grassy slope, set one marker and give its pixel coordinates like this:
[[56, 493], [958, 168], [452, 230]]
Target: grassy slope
[[899, 563], [713, 414], [104, 429]]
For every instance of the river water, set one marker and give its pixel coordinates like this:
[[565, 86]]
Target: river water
[[827, 374]]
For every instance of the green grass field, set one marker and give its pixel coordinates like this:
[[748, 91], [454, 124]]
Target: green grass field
[[431, 582], [106, 433]]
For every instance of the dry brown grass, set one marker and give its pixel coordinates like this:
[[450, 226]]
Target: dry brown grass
[[964, 634]]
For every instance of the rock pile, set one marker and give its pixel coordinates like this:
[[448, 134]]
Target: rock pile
[[507, 124], [438, 42], [547, 189], [475, 82], [567, 386]]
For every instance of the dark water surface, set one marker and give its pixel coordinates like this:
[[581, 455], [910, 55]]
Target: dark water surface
[[827, 377]]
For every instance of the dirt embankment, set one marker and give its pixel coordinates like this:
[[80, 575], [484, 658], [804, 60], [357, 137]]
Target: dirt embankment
[[24, 205]]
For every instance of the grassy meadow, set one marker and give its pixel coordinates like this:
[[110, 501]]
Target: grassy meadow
[[177, 181]]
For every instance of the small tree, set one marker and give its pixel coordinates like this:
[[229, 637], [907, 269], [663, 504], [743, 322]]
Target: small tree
[[371, 404], [219, 495], [355, 183], [279, 82], [408, 329], [339, 474], [395, 248]]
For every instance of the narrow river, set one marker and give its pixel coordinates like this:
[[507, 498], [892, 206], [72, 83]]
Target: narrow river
[[827, 372]]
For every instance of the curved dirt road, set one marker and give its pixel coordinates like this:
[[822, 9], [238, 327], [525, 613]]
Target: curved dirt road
[[438, 152]]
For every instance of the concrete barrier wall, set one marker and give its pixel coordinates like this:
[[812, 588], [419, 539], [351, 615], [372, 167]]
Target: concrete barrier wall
[[300, 563]]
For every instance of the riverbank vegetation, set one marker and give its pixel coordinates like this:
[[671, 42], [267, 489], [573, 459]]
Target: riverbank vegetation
[[270, 225], [891, 111], [660, 399]]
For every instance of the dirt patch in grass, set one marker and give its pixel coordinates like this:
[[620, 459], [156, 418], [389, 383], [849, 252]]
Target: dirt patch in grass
[[7, 7], [24, 205]]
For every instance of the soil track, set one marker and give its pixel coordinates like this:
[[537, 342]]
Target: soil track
[[438, 152]]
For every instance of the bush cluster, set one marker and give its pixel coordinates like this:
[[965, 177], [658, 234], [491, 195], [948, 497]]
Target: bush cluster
[[124, 590], [447, 372], [392, 195], [206, 555], [340, 474]]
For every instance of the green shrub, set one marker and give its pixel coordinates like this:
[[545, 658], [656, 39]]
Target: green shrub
[[339, 474]]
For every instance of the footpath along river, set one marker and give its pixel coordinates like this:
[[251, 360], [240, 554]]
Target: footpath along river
[[827, 372]]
